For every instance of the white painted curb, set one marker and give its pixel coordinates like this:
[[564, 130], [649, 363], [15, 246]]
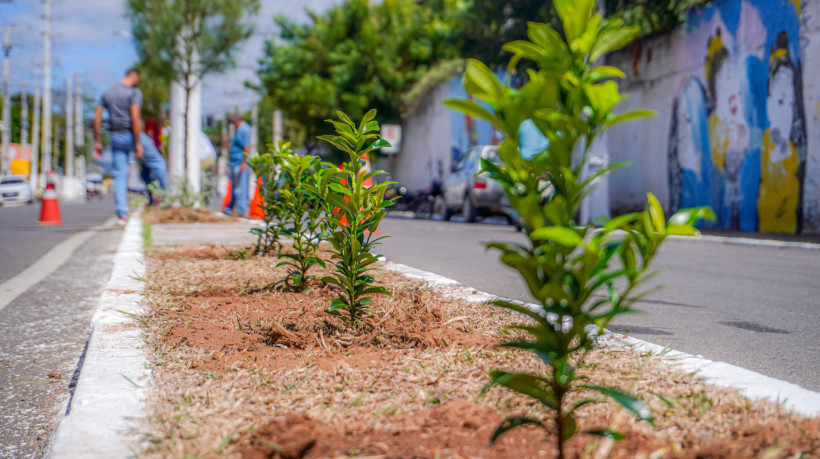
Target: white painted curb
[[111, 389], [751, 384], [726, 240]]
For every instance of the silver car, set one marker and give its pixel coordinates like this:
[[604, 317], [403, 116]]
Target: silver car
[[14, 188], [470, 193]]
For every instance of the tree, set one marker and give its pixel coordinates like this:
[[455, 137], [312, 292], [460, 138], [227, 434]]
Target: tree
[[652, 16], [184, 40], [355, 56]]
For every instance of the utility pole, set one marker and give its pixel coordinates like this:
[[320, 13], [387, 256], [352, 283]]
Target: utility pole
[[79, 119], [69, 126], [24, 115], [6, 163], [47, 87], [35, 143]]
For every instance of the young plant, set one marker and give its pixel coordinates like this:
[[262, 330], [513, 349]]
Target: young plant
[[303, 214], [267, 166], [581, 277], [357, 210]]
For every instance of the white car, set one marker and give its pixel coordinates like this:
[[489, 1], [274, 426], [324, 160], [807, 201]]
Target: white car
[[14, 188]]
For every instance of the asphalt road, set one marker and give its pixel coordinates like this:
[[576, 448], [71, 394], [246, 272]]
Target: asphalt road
[[22, 241], [753, 306], [44, 330]]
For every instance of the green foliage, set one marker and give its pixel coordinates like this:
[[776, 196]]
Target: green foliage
[[354, 213], [581, 277], [302, 213], [178, 193], [653, 16], [184, 40], [238, 254], [357, 55], [267, 166]]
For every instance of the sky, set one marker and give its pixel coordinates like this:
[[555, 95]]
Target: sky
[[92, 37]]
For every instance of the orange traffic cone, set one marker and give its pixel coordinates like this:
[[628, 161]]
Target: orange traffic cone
[[227, 199], [50, 211], [257, 204]]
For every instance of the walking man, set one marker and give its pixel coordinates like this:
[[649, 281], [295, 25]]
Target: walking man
[[238, 171], [124, 103]]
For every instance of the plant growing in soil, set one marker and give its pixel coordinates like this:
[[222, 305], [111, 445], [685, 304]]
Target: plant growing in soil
[[582, 277], [357, 210], [267, 166], [303, 217]]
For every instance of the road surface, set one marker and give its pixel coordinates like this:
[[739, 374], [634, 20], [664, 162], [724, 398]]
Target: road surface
[[45, 328], [751, 306]]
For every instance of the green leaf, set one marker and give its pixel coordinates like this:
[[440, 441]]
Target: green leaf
[[525, 384], [600, 73], [562, 235], [569, 426], [682, 230], [481, 82], [546, 37], [469, 107], [606, 433], [689, 217], [656, 212], [511, 423], [612, 40], [603, 97], [632, 115], [627, 401]]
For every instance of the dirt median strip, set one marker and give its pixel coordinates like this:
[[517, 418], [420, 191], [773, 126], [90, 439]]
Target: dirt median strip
[[752, 384], [244, 372]]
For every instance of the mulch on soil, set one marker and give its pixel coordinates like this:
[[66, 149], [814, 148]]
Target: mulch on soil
[[155, 215], [241, 371]]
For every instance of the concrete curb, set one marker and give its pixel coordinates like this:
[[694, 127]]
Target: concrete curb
[[114, 374], [727, 240], [751, 384]]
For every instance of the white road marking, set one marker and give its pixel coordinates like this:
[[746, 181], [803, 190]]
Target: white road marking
[[47, 264]]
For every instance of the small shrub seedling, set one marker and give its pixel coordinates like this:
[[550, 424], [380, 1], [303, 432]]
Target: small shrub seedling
[[303, 215], [355, 213], [267, 166], [570, 268]]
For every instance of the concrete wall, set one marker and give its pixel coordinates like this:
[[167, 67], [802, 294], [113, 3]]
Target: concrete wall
[[810, 42], [737, 128], [425, 143]]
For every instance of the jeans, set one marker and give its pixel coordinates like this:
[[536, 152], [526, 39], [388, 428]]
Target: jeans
[[122, 143], [239, 190], [153, 164]]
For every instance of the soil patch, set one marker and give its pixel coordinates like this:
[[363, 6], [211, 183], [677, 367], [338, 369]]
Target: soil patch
[[244, 371], [155, 215]]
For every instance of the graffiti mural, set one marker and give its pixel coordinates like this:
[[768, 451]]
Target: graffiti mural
[[737, 137]]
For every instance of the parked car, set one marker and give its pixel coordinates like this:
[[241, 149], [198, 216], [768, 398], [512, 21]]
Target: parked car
[[14, 188], [470, 193]]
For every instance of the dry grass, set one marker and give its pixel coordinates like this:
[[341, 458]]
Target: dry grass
[[241, 372]]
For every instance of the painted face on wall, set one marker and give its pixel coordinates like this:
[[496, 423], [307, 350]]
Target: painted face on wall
[[688, 155], [729, 106], [780, 109]]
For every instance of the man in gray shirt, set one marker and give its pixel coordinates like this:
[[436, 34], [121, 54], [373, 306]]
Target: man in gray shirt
[[124, 103]]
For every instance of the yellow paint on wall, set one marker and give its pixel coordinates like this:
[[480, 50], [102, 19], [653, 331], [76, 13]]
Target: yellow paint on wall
[[779, 190], [797, 7], [719, 140]]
